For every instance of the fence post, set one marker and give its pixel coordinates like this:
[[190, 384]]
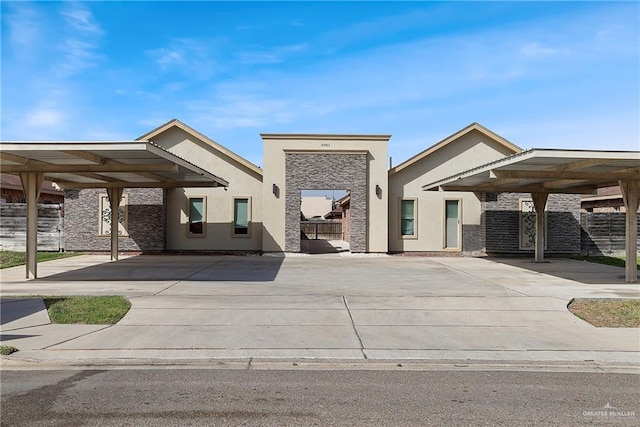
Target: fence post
[[60, 228]]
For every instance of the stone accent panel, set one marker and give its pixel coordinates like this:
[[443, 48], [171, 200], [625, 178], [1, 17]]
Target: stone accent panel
[[326, 171], [146, 221], [501, 223], [472, 239]]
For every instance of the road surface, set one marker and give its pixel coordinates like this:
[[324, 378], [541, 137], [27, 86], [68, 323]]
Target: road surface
[[316, 397]]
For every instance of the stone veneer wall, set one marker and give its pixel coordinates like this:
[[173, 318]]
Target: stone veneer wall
[[500, 223], [320, 172], [146, 221], [472, 241]]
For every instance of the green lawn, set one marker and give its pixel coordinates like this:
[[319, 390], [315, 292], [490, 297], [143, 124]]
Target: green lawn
[[14, 258], [91, 310], [618, 261]]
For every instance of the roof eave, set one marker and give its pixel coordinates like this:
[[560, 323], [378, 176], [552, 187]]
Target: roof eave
[[188, 129], [446, 141], [488, 168]]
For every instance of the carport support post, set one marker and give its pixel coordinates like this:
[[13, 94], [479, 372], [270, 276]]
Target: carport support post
[[115, 195], [31, 186], [631, 197], [539, 203]]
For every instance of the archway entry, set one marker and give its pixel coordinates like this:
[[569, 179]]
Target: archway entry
[[324, 221], [319, 171]]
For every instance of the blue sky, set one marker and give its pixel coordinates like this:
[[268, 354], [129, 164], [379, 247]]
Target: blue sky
[[541, 74]]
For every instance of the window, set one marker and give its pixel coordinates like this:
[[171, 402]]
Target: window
[[197, 216], [104, 220], [241, 216], [408, 218]]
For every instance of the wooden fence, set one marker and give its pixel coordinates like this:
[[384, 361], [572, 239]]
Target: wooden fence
[[13, 227], [603, 233], [321, 230]]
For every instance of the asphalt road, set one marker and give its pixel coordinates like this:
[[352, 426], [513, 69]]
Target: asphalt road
[[316, 397]]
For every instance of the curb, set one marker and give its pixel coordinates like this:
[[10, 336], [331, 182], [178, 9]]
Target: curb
[[16, 363]]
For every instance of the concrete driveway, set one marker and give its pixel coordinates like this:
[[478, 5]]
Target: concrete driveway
[[338, 306]]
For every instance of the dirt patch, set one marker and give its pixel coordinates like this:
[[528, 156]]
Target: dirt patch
[[607, 313]]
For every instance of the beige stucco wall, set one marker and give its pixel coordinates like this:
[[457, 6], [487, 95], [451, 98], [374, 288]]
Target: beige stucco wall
[[243, 182], [315, 206], [470, 150], [274, 173]]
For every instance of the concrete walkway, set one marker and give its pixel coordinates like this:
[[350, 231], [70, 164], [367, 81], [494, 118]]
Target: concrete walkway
[[340, 307]]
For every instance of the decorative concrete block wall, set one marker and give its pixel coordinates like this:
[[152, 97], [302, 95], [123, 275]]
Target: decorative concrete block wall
[[326, 171], [500, 223], [146, 221]]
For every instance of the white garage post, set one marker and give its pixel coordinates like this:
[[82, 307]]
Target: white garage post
[[115, 195], [31, 185], [539, 203], [631, 197]]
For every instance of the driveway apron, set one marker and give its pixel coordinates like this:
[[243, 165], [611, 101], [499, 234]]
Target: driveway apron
[[338, 306]]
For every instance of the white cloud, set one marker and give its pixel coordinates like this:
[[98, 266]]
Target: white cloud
[[273, 55], [24, 24], [78, 55], [81, 41], [538, 50], [44, 116], [170, 57], [436, 84], [80, 19], [241, 111], [191, 57], [418, 76]]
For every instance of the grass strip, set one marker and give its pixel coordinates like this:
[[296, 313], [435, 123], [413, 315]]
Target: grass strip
[[608, 260], [6, 350], [15, 258], [90, 310], [608, 313]]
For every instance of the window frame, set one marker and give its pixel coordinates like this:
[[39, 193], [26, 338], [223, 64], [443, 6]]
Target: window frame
[[204, 216], [413, 236], [233, 216]]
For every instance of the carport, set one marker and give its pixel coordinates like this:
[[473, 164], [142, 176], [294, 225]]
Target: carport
[[110, 165], [544, 171]]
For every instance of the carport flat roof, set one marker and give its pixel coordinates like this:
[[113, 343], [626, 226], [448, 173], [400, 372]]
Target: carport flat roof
[[105, 164], [543, 171], [547, 171]]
